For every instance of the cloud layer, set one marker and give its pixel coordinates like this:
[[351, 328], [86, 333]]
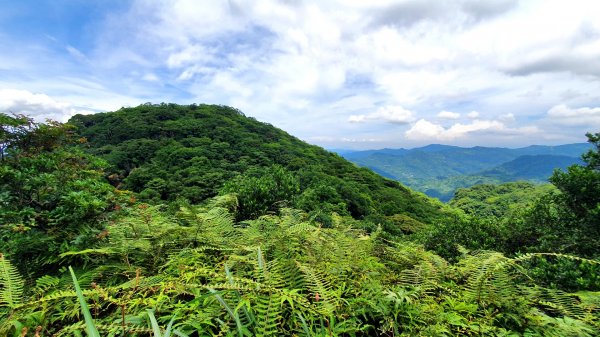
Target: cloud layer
[[379, 73], [37, 106]]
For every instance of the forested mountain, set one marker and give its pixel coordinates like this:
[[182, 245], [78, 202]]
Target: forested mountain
[[206, 223], [537, 168], [168, 151], [438, 170]]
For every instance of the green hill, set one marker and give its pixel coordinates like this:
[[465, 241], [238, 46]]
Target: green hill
[[499, 200], [170, 151]]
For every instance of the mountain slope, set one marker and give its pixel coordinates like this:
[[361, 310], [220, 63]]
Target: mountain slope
[[433, 161], [499, 200], [438, 170], [168, 151], [530, 167]]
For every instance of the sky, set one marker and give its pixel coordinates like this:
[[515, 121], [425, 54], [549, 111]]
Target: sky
[[348, 74]]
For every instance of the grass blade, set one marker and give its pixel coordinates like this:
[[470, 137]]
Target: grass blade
[[90, 327], [232, 314], [154, 323]]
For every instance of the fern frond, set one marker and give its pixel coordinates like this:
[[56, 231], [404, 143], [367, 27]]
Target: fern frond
[[558, 301], [488, 278], [11, 284], [268, 315], [90, 251], [320, 287], [530, 256], [46, 282]]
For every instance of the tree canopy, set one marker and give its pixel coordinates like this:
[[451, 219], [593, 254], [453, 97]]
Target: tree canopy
[[167, 151]]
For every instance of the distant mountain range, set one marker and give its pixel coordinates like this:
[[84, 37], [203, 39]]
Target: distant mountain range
[[438, 170]]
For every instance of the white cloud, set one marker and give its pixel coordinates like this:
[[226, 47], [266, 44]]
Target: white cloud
[[448, 115], [297, 64], [427, 131], [509, 117], [473, 115], [585, 116], [38, 106], [192, 54], [424, 130], [360, 140], [390, 114]]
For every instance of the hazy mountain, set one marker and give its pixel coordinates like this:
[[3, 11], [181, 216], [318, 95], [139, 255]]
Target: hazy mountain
[[438, 170], [530, 167]]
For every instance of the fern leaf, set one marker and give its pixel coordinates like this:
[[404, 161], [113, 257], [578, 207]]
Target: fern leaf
[[320, 287], [98, 251], [268, 314], [11, 284]]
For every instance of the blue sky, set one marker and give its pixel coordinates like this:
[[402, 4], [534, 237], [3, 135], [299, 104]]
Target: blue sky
[[340, 74]]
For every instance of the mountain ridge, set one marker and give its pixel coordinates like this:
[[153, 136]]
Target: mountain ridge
[[438, 170]]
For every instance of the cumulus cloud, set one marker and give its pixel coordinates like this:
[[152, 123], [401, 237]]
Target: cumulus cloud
[[584, 116], [295, 64], [448, 115], [38, 106], [423, 129], [427, 131], [390, 114]]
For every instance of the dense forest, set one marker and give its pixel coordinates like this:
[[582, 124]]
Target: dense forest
[[195, 220]]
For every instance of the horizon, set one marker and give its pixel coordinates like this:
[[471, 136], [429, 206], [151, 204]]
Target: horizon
[[464, 147], [346, 75]]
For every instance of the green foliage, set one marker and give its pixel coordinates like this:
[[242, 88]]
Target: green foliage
[[52, 198], [262, 191], [12, 130], [580, 190], [571, 218], [90, 327], [285, 275], [446, 239], [11, 284], [247, 262], [169, 151], [504, 200]]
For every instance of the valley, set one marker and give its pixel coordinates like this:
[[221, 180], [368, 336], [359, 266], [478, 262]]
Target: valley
[[439, 170]]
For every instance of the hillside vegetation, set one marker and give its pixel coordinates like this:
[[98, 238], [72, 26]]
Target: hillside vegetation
[[499, 200], [168, 151], [99, 236]]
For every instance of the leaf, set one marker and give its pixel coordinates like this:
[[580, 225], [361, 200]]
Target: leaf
[[154, 323], [231, 313], [11, 284], [89, 322]]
